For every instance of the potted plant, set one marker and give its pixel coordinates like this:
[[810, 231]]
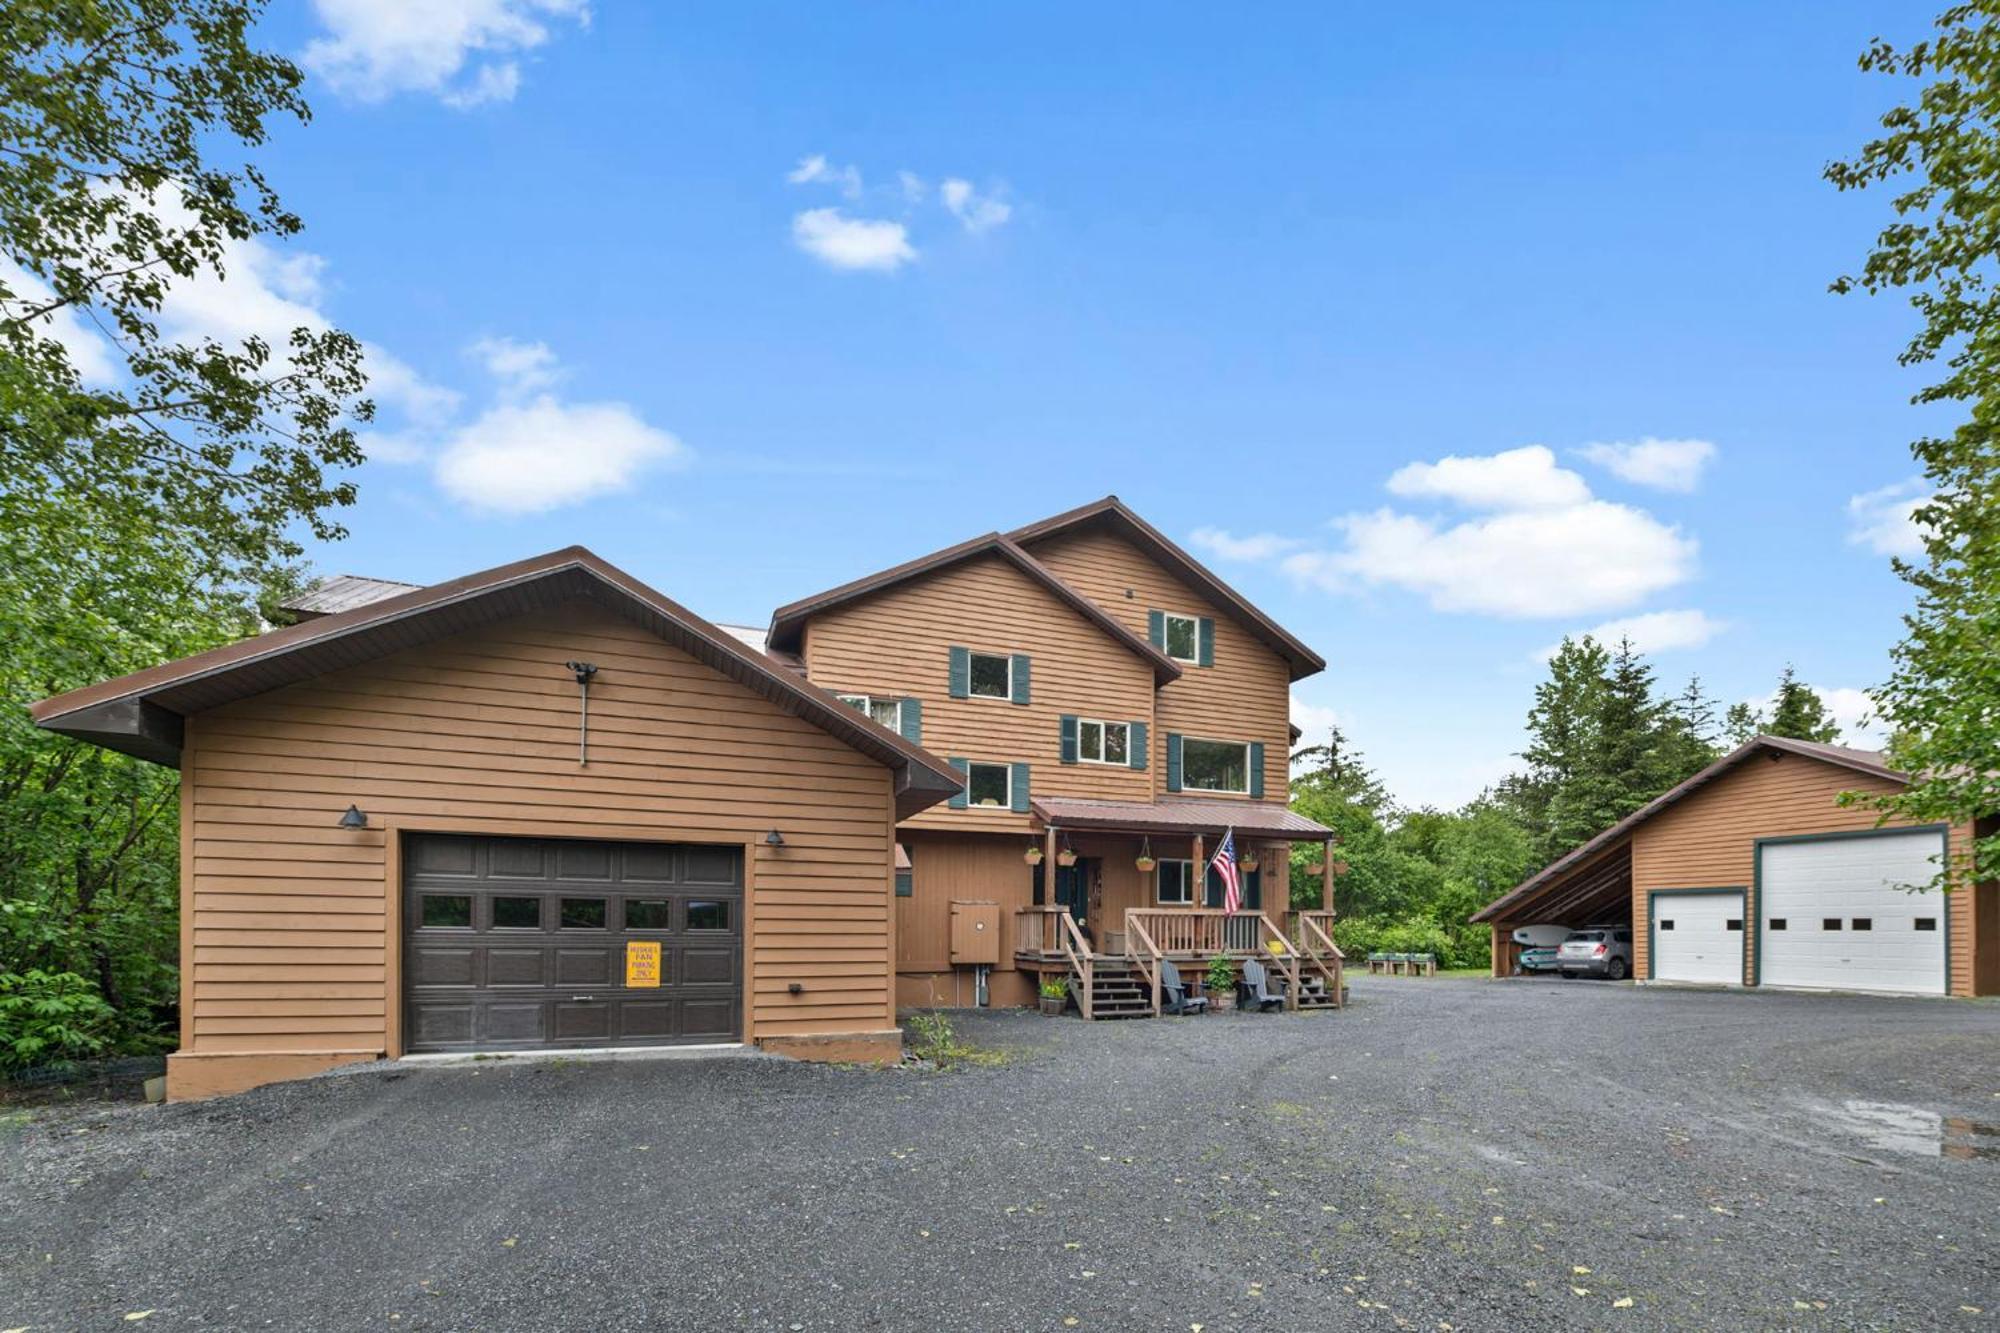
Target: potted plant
[[1033, 856], [1055, 993], [1340, 867], [1315, 867], [1066, 857], [1221, 983], [1145, 863], [1249, 861]]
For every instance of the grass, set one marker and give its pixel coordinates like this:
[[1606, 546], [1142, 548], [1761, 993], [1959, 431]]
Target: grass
[[931, 1037]]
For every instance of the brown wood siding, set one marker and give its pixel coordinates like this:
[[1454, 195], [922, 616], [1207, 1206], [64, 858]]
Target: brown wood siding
[[1708, 840], [945, 867], [1245, 696], [898, 642], [290, 942]]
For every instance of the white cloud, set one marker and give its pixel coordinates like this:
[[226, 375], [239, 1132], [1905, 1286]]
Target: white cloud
[[852, 243], [1257, 546], [1667, 465], [1653, 632], [976, 212], [1884, 520], [1592, 556], [464, 52], [913, 187], [1313, 721], [816, 170], [522, 367], [525, 458], [1852, 709], [1525, 478]]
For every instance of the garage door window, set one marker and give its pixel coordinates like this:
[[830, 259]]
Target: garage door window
[[648, 914], [1777, 923], [708, 916], [583, 914], [1829, 923], [1862, 923], [517, 913], [1666, 925], [1926, 923], [1735, 923], [447, 909]]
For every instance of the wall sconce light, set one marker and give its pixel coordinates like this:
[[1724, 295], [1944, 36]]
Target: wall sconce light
[[354, 818], [774, 839], [796, 989]]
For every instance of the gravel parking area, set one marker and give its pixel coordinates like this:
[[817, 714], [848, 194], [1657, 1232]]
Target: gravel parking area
[[1447, 1153]]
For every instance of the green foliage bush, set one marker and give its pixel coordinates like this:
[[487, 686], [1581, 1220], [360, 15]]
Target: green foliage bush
[[46, 1017], [1359, 936]]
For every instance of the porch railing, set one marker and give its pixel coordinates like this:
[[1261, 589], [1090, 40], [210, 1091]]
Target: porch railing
[[1205, 932], [1146, 955], [1318, 952], [1050, 931]]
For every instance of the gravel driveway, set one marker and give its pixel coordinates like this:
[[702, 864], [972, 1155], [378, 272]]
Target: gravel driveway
[[1447, 1153]]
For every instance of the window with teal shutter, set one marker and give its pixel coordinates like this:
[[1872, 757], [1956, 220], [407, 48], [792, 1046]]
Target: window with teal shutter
[[913, 721], [1020, 678], [1156, 629], [1206, 656], [963, 765], [1068, 735], [1256, 768], [961, 673], [1173, 761], [1019, 788], [1136, 754], [906, 880]]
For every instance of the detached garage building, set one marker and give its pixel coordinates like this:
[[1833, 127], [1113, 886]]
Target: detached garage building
[[538, 807], [1751, 873]]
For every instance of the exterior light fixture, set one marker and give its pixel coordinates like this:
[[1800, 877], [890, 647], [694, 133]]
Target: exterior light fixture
[[354, 818], [584, 671], [796, 989], [774, 839]]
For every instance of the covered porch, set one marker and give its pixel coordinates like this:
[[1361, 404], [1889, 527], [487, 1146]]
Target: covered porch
[[1120, 891]]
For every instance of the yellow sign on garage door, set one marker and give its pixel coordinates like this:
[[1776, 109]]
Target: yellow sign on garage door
[[642, 963]]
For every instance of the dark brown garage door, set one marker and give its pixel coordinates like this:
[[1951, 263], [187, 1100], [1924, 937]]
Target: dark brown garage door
[[523, 943]]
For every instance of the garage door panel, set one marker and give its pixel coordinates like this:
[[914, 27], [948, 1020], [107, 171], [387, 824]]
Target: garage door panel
[[523, 943], [1698, 936], [1835, 913]]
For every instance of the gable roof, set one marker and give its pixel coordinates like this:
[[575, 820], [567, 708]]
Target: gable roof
[[1113, 515], [344, 592], [141, 714], [1868, 762], [788, 622]]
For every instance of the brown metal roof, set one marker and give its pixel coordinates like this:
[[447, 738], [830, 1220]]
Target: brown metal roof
[[1111, 512], [1861, 761], [344, 592], [141, 714], [788, 622], [1190, 816]]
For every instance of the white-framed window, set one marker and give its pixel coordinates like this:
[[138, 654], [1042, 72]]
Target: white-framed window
[[1174, 883], [889, 712], [989, 785], [1182, 636], [1222, 766], [990, 676], [1104, 742]]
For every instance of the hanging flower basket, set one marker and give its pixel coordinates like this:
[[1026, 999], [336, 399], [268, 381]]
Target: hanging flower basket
[[1145, 864], [1315, 868], [1033, 856], [1340, 867], [1065, 858], [1249, 862]]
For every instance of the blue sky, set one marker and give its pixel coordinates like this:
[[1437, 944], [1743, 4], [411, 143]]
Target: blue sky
[[755, 299]]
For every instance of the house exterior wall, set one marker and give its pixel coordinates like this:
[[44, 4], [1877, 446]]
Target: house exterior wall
[[898, 642], [1709, 839], [1244, 696], [290, 934]]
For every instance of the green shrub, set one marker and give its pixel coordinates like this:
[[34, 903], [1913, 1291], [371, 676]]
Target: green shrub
[[1359, 936], [47, 1017]]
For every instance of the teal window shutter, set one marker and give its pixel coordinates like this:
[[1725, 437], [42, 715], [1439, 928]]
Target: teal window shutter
[[1156, 629], [1173, 762], [1135, 748], [1020, 786], [1206, 653], [1069, 738], [1018, 678], [1256, 768], [913, 721], [957, 801], [961, 673], [906, 880]]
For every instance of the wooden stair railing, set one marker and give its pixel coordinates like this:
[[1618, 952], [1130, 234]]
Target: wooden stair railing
[[1144, 953], [1317, 948], [1286, 962], [1076, 950]]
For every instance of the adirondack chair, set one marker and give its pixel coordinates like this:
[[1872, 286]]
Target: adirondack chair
[[1174, 997], [1255, 988]]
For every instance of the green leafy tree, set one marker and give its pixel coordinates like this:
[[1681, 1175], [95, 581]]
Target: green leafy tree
[[149, 487], [1940, 154], [1562, 740]]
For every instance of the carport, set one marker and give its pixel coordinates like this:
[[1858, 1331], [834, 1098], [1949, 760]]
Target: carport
[[1589, 887]]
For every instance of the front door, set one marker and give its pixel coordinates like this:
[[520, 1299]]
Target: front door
[[1073, 888]]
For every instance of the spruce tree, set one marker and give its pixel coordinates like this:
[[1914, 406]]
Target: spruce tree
[[1799, 713]]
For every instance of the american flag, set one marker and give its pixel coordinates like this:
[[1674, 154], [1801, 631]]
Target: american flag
[[1224, 865]]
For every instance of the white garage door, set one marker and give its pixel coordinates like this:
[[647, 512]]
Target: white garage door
[[1698, 936], [1834, 914]]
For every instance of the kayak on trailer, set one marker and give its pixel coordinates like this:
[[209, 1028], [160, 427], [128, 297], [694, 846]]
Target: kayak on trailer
[[1539, 936], [1541, 958]]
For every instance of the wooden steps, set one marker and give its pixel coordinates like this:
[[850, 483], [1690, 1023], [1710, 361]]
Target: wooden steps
[[1119, 990]]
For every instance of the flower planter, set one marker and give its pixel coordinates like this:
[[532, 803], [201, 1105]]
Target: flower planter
[[1065, 859], [1033, 856], [1145, 865], [1221, 1001], [1315, 868], [1052, 1005]]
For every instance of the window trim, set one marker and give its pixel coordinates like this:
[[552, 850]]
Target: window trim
[[1103, 734], [1187, 881], [1006, 694], [865, 703], [1167, 619], [1244, 790], [1006, 802]]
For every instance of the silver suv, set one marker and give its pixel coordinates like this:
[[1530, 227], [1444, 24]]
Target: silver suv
[[1596, 951]]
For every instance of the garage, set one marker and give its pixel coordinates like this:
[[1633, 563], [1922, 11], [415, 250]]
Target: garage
[[1836, 912], [1698, 936], [1773, 866], [535, 943]]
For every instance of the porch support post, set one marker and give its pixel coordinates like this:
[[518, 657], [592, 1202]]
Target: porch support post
[[1199, 874], [1326, 876], [1049, 879]]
